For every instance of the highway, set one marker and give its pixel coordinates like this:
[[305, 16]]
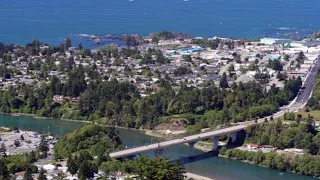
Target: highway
[[297, 104], [308, 84]]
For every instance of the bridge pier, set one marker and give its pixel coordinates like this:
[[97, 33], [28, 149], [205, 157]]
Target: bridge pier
[[159, 153], [215, 143], [191, 148], [233, 137]]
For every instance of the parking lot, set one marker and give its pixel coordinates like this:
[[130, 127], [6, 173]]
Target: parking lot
[[26, 141]]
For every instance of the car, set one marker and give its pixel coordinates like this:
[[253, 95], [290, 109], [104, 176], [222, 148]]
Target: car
[[185, 139]]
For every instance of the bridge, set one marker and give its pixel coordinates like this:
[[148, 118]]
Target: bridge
[[296, 104], [191, 140]]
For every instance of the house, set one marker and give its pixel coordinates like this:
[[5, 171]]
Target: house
[[268, 147], [295, 151], [252, 146]]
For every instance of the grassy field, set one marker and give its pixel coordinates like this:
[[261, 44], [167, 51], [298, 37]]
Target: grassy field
[[315, 114]]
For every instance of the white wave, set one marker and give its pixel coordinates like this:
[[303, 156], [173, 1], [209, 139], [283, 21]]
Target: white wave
[[86, 35], [284, 28]]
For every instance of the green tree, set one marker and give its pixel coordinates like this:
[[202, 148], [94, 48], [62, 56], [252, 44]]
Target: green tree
[[223, 81], [68, 43], [87, 170], [4, 173], [42, 175], [3, 150], [110, 168], [28, 174], [159, 169], [72, 166], [80, 47], [259, 157], [43, 146], [61, 176]]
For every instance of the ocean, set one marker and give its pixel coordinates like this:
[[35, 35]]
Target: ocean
[[51, 21]]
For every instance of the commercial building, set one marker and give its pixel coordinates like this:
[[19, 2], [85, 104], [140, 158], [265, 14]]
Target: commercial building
[[270, 41]]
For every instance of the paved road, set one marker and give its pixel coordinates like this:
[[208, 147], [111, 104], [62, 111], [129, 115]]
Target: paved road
[[299, 102], [308, 84]]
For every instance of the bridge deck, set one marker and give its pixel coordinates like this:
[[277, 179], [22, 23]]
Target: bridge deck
[[187, 139]]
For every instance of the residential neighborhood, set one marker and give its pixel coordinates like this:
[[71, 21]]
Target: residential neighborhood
[[269, 61]]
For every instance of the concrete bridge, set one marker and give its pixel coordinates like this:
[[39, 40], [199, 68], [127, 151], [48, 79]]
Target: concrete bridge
[[296, 104], [191, 140]]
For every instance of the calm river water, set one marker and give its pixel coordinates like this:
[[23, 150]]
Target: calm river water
[[214, 167]]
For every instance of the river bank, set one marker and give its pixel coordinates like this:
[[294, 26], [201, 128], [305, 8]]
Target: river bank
[[211, 167], [197, 177]]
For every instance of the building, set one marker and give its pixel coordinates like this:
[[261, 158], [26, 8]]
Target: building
[[270, 41]]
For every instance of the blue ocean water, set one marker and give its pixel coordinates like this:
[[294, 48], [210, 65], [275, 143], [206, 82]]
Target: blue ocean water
[[52, 20]]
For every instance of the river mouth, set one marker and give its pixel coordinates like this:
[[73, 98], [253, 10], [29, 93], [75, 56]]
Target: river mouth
[[210, 166]]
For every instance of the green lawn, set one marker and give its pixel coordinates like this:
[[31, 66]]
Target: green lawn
[[315, 114]]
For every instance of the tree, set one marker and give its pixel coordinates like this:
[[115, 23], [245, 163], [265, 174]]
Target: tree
[[259, 157], [159, 169], [72, 166], [300, 56], [87, 170], [42, 175], [286, 57], [80, 47], [131, 40], [187, 58], [68, 43], [61, 176], [4, 173], [28, 174], [43, 146], [16, 143], [110, 168], [275, 65], [3, 150], [223, 81], [282, 76], [155, 39]]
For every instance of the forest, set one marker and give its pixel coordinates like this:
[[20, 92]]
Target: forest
[[301, 164], [119, 103], [300, 135]]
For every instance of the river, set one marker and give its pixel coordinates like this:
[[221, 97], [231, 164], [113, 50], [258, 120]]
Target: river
[[213, 167]]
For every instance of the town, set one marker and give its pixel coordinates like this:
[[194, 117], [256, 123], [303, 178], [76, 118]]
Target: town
[[190, 61], [124, 86]]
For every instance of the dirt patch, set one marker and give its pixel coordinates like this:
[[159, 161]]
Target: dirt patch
[[174, 124]]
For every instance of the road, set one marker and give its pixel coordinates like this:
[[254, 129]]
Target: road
[[305, 93], [297, 104]]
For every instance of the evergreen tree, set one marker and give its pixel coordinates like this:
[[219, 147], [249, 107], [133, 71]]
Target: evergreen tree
[[68, 43], [43, 146], [3, 150], [4, 174], [223, 81], [42, 175], [87, 170], [80, 47], [72, 166], [27, 174]]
